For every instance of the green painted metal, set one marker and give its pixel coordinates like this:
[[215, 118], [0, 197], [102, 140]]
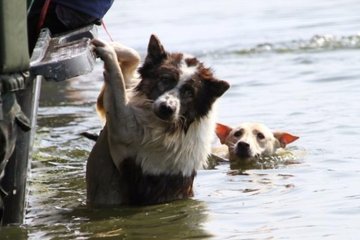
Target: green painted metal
[[17, 93], [14, 54]]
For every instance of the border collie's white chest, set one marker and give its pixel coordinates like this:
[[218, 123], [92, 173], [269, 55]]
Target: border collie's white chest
[[177, 152]]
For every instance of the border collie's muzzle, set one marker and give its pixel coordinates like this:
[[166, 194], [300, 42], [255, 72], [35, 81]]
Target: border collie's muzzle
[[167, 106]]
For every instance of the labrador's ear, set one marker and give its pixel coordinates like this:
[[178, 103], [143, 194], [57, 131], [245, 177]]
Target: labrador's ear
[[285, 138], [222, 131]]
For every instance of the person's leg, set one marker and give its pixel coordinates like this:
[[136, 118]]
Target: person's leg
[[51, 21]]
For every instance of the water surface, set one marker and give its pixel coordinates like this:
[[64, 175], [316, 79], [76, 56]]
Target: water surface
[[293, 65]]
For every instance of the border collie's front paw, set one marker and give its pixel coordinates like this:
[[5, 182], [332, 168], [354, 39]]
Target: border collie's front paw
[[104, 50]]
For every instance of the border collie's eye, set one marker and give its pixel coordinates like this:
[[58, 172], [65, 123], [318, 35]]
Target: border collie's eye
[[165, 78], [187, 92], [238, 133], [260, 136], [164, 82], [161, 86]]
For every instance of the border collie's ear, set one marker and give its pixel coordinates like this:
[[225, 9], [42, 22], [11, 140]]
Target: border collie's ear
[[218, 87], [222, 131], [156, 51], [285, 138]]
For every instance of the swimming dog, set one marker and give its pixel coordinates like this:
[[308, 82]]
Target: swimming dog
[[250, 141], [157, 134]]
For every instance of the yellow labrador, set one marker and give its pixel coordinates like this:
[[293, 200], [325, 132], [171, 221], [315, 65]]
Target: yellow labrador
[[249, 141]]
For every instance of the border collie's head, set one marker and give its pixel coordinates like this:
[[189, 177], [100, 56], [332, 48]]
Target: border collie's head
[[180, 87]]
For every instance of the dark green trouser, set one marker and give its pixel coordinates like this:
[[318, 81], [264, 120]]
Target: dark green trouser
[[11, 118], [14, 61]]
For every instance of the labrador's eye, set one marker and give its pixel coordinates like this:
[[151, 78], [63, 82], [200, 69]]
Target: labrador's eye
[[239, 133], [260, 136]]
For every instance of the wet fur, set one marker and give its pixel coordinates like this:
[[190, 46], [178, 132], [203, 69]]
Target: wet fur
[[157, 134], [250, 141]]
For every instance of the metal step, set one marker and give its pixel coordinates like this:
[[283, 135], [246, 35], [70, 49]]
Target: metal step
[[63, 56]]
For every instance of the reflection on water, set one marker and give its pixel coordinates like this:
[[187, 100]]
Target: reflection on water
[[291, 65], [167, 221], [175, 220], [12, 232]]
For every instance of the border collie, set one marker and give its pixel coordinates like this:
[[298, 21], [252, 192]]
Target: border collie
[[157, 134]]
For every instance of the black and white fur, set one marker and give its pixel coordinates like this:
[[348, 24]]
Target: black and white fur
[[157, 134]]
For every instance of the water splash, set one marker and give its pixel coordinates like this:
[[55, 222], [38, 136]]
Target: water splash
[[316, 43], [281, 158]]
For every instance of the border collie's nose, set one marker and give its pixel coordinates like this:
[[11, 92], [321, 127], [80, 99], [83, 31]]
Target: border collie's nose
[[165, 111]]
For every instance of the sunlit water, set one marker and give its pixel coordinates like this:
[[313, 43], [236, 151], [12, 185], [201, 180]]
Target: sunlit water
[[293, 65]]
